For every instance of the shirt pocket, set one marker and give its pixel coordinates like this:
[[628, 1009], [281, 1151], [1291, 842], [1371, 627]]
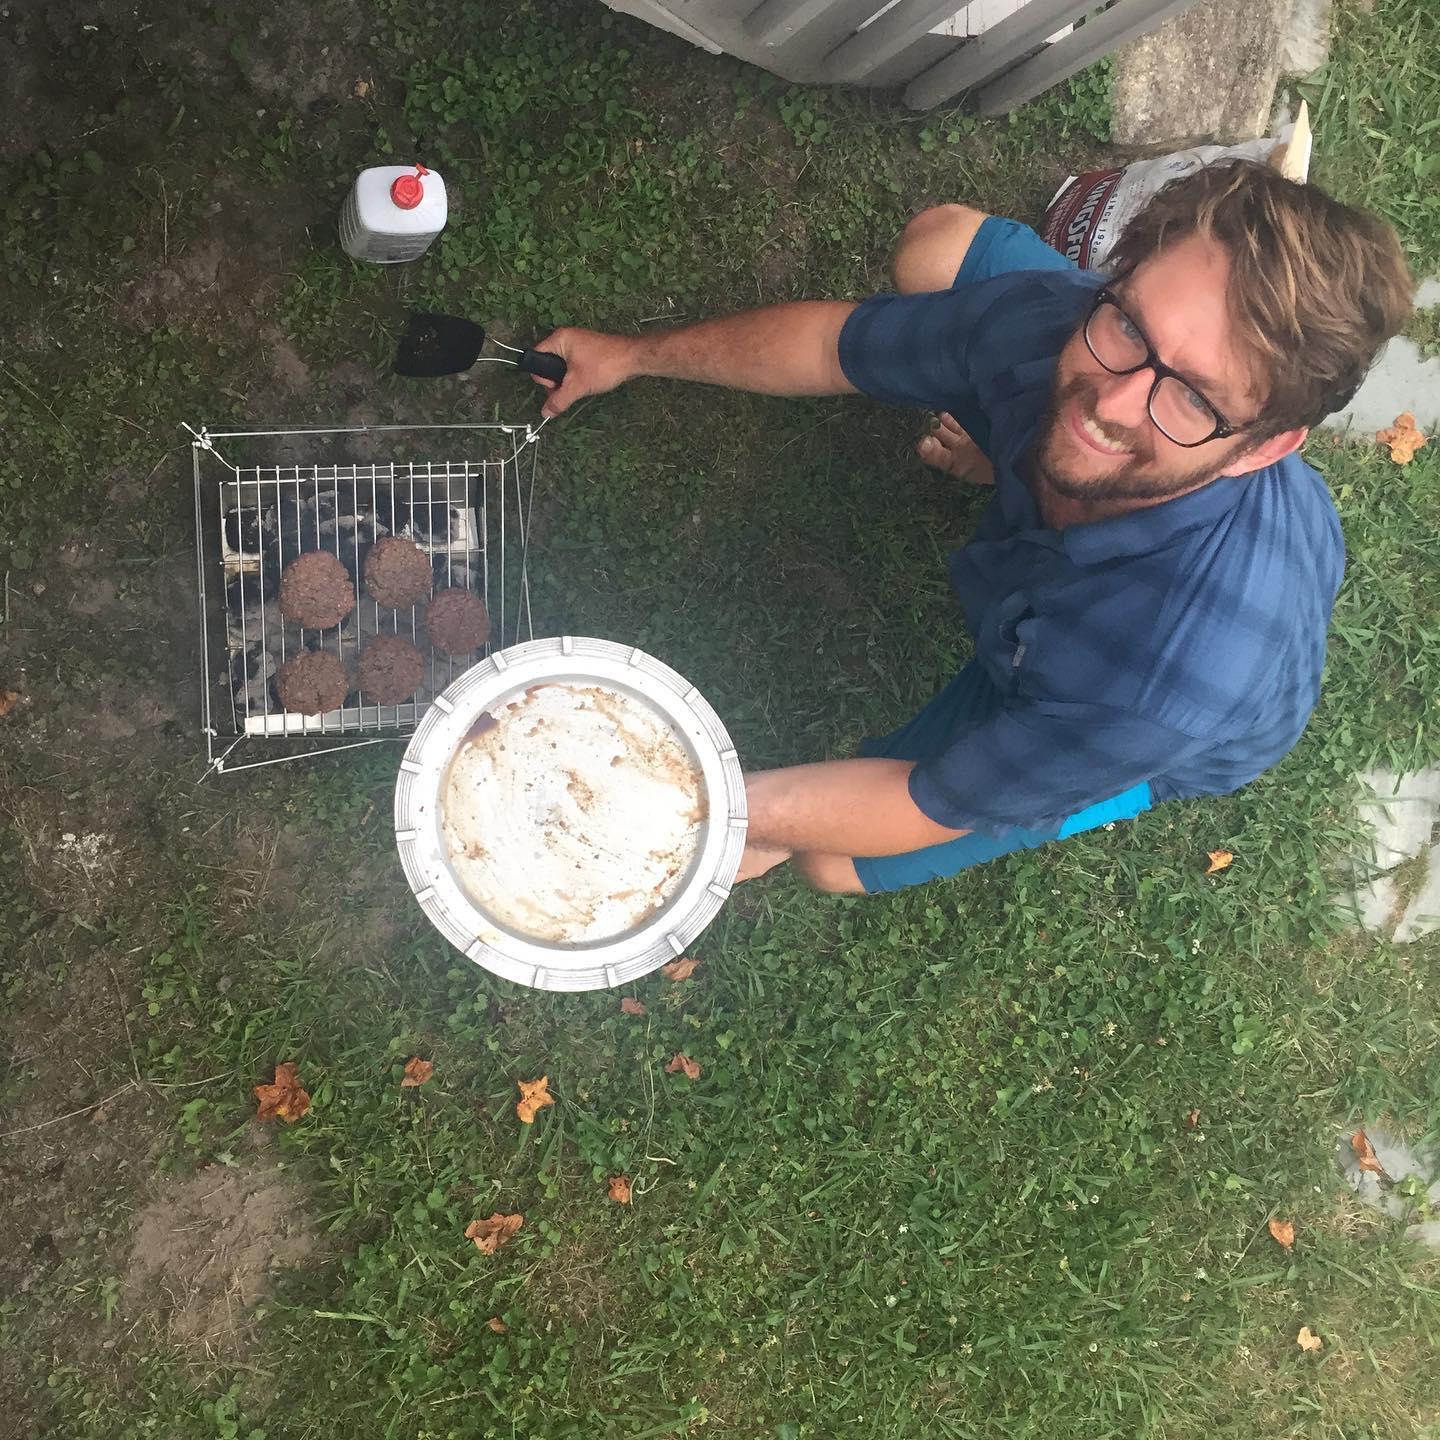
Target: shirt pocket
[[1010, 635]]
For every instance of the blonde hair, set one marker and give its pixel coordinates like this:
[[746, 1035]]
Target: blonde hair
[[1316, 287]]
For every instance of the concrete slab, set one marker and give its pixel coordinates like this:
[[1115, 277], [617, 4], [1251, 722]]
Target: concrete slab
[[1422, 915], [1402, 379], [1428, 1234], [1400, 1161], [1305, 44], [1208, 75], [1403, 811]]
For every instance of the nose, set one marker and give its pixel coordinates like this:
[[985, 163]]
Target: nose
[[1123, 399]]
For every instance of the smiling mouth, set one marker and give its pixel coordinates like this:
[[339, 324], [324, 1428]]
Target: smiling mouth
[[1088, 431]]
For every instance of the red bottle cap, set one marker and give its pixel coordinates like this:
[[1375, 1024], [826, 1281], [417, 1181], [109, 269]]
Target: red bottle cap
[[407, 191]]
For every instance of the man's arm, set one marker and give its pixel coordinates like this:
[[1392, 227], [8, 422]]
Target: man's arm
[[841, 807], [791, 349]]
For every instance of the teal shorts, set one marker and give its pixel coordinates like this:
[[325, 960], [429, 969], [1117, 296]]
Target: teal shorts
[[966, 701], [1001, 247]]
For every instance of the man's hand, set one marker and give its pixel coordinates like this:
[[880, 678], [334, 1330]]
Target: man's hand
[[595, 363]]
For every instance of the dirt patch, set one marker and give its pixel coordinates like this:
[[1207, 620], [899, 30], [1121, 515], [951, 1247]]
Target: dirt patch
[[205, 1250]]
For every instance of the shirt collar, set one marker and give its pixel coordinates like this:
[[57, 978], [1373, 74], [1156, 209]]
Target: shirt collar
[[1133, 534], [1155, 526]]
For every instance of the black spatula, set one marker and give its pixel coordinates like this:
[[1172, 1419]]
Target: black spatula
[[448, 345]]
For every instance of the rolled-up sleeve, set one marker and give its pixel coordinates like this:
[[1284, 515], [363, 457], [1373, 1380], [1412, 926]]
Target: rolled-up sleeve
[[1033, 765], [911, 349], [956, 349]]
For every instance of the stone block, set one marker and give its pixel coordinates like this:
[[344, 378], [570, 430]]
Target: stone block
[[1305, 45], [1208, 75]]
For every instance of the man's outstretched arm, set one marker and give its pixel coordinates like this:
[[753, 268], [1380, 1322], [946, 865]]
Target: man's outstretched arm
[[791, 349]]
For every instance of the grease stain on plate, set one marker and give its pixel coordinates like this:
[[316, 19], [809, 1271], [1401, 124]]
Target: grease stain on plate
[[572, 813]]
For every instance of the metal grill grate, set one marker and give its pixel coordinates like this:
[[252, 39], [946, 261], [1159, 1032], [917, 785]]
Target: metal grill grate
[[470, 516]]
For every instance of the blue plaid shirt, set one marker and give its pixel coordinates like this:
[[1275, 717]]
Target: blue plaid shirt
[[1180, 644]]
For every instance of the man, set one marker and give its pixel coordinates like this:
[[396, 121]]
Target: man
[[1150, 587]]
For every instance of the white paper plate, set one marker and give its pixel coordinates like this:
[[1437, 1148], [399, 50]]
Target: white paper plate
[[570, 813]]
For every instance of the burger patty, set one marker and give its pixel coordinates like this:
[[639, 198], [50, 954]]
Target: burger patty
[[457, 622], [397, 573], [391, 670], [311, 683], [316, 591]]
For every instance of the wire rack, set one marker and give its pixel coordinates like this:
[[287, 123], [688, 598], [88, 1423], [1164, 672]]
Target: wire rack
[[254, 515]]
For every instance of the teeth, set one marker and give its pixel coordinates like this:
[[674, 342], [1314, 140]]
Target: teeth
[[1098, 435]]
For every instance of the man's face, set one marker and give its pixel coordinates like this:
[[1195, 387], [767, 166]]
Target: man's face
[[1099, 443]]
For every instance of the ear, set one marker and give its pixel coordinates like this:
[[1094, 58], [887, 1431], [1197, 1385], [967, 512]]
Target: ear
[[1267, 452]]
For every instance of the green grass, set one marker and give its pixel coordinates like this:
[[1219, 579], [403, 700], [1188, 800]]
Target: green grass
[[936, 1178], [1374, 108]]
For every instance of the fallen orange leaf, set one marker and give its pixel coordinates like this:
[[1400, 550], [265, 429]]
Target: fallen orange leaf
[[683, 1063], [629, 1006], [417, 1072], [1365, 1153], [9, 699], [489, 1235], [534, 1096], [285, 1099], [679, 969], [1403, 437], [496, 1324], [620, 1189], [1282, 1232], [1192, 1119], [1219, 860], [1308, 1340]]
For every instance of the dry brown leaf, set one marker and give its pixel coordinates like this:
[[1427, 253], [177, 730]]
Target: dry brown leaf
[[679, 969], [685, 1064], [1219, 860], [489, 1235], [9, 699], [362, 88], [1308, 1340], [284, 1100], [1192, 1119], [1282, 1232], [496, 1324], [1365, 1157], [629, 1006], [417, 1072], [534, 1097], [620, 1189], [1403, 437]]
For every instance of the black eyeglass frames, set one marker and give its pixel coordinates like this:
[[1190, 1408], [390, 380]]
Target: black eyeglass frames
[[1179, 411]]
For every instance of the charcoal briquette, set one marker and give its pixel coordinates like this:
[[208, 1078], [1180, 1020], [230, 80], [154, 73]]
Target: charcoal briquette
[[242, 531]]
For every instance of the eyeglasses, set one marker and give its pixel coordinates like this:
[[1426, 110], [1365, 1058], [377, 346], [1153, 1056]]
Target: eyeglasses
[[1180, 412]]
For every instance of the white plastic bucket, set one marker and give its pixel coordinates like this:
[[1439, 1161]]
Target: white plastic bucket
[[392, 213]]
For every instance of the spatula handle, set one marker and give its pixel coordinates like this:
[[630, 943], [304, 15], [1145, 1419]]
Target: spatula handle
[[544, 363]]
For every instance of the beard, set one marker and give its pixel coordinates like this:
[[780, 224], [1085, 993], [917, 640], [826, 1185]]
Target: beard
[[1136, 476]]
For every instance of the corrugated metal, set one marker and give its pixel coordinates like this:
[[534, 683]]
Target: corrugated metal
[[894, 32], [872, 42], [1090, 42], [994, 52]]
